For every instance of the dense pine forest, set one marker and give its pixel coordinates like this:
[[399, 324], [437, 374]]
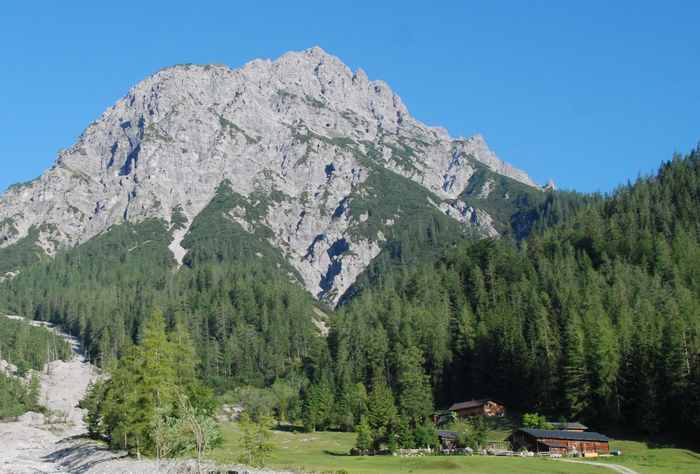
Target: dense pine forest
[[588, 310]]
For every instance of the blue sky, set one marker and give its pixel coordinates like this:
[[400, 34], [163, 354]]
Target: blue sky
[[588, 93]]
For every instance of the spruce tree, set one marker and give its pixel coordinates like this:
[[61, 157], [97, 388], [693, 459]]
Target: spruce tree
[[318, 408], [415, 396], [574, 377], [382, 413], [364, 440]]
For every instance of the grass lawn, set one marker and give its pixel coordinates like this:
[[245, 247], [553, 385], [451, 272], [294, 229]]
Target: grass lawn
[[645, 460], [326, 452]]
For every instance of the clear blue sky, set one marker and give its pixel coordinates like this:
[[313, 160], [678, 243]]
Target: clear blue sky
[[589, 93]]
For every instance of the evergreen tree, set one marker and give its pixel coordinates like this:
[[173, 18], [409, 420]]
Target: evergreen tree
[[255, 441], [364, 436], [675, 371], [318, 409], [142, 393], [574, 378], [382, 413], [415, 397]]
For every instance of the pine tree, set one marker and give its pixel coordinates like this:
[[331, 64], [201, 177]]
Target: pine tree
[[318, 408], [33, 393], [256, 441], [675, 370], [142, 391], [185, 356], [364, 436], [415, 397], [694, 395], [154, 390], [639, 384], [574, 378], [382, 413], [405, 434], [602, 365]]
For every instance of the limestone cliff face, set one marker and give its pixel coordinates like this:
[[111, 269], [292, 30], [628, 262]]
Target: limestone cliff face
[[303, 130]]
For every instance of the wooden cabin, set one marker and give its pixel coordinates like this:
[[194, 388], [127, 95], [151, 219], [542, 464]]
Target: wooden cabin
[[560, 441], [485, 407]]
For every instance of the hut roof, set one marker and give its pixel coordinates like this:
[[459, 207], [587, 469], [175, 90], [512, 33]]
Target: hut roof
[[567, 435], [469, 404], [568, 425]]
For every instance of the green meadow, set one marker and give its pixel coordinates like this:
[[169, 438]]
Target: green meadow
[[644, 459], [327, 452]]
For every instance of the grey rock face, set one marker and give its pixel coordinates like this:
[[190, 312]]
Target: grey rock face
[[296, 128]]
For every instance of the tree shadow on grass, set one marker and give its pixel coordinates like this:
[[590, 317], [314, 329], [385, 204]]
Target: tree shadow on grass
[[336, 453], [290, 429]]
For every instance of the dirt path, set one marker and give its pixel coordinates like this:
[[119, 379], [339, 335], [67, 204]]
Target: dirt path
[[615, 467]]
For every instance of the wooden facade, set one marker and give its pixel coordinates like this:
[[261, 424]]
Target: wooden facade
[[484, 407], [560, 441]]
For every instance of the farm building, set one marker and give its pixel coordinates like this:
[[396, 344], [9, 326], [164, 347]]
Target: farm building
[[560, 441], [448, 439], [483, 407]]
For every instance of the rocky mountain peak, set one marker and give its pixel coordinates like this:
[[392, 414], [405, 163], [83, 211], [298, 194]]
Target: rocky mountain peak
[[550, 186], [302, 134]]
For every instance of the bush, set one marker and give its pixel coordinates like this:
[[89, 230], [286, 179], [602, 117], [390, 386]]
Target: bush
[[470, 433], [426, 436], [537, 421]]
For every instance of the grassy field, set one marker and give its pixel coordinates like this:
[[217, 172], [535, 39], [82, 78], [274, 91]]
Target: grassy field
[[645, 460], [327, 453]]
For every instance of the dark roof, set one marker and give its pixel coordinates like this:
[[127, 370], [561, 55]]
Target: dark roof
[[568, 425], [469, 404], [568, 435], [447, 434]]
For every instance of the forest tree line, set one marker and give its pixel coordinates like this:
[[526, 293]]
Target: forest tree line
[[593, 317]]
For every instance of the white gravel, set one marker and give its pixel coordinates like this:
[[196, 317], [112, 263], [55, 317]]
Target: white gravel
[[28, 442], [38, 444]]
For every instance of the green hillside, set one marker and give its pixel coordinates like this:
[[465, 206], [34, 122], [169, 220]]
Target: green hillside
[[593, 316]]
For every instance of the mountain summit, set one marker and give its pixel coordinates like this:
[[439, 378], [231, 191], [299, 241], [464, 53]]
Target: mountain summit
[[305, 150]]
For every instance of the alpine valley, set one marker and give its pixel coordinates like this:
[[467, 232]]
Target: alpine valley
[[285, 240]]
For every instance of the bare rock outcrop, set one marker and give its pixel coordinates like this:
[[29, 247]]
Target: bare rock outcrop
[[304, 129]]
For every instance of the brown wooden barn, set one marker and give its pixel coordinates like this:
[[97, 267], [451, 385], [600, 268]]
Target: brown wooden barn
[[483, 407], [560, 441]]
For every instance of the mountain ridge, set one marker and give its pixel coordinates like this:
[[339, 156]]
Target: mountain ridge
[[298, 139]]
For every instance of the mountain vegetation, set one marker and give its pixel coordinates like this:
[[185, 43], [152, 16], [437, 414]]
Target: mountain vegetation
[[152, 402], [587, 311], [17, 396], [594, 318], [27, 348]]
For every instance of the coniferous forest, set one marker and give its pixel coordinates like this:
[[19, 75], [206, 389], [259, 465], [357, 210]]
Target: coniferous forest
[[593, 314], [26, 348]]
